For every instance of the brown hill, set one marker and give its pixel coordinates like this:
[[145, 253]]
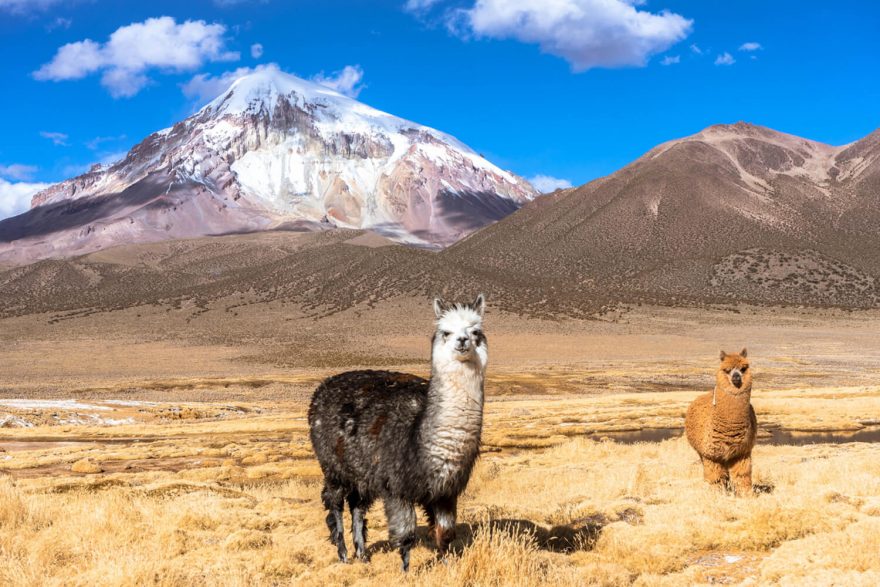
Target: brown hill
[[736, 212]]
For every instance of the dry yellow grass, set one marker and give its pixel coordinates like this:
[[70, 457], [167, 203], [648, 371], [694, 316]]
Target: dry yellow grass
[[235, 501]]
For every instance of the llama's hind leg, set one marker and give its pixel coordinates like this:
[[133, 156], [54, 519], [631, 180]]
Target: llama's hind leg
[[714, 473], [334, 500], [401, 516], [741, 475], [441, 517], [359, 506]]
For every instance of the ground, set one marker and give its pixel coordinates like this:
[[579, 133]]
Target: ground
[[185, 457]]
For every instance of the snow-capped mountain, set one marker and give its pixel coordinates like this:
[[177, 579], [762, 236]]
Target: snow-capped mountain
[[273, 151]]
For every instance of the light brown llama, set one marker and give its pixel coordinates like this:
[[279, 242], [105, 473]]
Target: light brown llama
[[721, 425]]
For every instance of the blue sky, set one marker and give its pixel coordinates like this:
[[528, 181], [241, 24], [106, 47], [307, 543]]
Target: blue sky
[[568, 89]]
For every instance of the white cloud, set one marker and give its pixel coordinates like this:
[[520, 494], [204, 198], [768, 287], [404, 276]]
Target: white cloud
[[26, 6], [546, 183], [419, 5], [97, 141], [586, 33], [696, 49], [59, 23], [751, 46], [132, 50], [725, 59], [57, 138], [346, 81], [17, 171], [256, 50], [205, 87], [15, 197], [670, 60], [228, 3]]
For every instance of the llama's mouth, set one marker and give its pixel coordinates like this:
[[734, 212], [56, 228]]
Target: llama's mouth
[[462, 353]]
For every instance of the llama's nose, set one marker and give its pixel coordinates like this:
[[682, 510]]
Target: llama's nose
[[463, 341], [736, 378]]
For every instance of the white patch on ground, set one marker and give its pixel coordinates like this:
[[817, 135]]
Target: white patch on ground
[[66, 404], [128, 403], [10, 421]]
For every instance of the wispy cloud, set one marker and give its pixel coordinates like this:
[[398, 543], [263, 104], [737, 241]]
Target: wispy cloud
[[59, 23], [98, 141], [547, 183], [204, 87], [696, 49], [57, 138], [725, 59], [586, 33], [17, 171], [256, 50], [228, 3], [670, 60], [26, 6], [345, 81], [419, 5], [133, 50], [751, 46]]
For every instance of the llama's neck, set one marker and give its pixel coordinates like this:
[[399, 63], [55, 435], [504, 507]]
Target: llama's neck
[[449, 435], [734, 402]]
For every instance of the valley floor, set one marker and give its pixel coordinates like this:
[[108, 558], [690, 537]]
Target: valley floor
[[156, 451]]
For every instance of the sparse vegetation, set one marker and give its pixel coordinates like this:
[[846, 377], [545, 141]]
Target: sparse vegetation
[[215, 482], [237, 502]]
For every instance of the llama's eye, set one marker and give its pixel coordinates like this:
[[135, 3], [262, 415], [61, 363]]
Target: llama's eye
[[445, 334], [744, 368], [477, 333]]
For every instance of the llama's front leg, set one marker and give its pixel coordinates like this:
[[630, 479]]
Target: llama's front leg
[[443, 523], [359, 506], [334, 501], [714, 473], [401, 526], [741, 474]]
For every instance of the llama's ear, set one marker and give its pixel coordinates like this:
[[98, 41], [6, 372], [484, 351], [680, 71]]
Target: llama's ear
[[744, 353], [439, 307], [480, 304], [723, 354]]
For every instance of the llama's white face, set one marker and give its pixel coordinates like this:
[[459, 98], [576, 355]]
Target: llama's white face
[[459, 334]]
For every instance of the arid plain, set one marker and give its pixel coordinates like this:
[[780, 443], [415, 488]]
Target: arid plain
[[185, 456]]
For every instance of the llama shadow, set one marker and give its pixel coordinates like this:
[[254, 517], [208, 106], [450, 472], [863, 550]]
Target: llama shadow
[[757, 488], [564, 538], [567, 538]]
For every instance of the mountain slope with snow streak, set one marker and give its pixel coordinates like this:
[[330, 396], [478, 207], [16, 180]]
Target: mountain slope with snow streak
[[272, 152]]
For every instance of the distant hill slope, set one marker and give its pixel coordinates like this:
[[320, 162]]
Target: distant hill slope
[[734, 212]]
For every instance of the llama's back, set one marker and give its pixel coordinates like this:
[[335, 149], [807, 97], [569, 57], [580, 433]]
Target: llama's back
[[362, 425]]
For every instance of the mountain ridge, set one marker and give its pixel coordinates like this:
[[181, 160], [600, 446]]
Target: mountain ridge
[[273, 150], [745, 217]]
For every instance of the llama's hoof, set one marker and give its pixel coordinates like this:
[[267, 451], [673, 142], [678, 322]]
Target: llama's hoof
[[362, 556]]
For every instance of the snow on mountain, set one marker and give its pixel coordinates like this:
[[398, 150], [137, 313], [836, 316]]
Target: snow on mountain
[[273, 151]]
